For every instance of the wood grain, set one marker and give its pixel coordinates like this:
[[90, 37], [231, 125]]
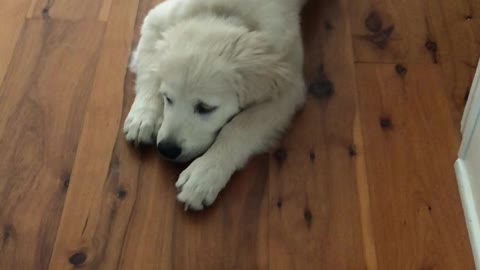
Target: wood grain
[[85, 219], [311, 223], [426, 31], [41, 113], [70, 10], [410, 147], [456, 28], [358, 150], [13, 17], [362, 180], [379, 34]]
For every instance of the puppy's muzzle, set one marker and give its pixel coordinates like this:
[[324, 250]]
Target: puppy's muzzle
[[169, 150]]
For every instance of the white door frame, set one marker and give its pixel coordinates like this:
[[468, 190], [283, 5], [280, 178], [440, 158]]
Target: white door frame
[[467, 166]]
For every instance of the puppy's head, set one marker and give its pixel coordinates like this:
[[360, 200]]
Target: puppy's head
[[209, 71]]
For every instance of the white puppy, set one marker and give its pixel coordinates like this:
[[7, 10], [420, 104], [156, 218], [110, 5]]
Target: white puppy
[[217, 82]]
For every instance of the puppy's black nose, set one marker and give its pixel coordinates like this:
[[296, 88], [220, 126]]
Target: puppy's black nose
[[169, 150]]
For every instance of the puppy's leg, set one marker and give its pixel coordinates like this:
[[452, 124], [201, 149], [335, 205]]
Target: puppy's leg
[[251, 132], [145, 116], [156, 21]]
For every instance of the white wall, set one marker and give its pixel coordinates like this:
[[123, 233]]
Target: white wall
[[472, 164], [468, 166]]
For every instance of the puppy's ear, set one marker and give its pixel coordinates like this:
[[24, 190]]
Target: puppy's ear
[[261, 73]]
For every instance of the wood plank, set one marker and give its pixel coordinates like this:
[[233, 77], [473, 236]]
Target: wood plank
[[12, 16], [70, 10], [234, 234], [314, 219], [97, 209], [40, 122], [104, 12], [322, 200], [410, 149], [378, 35], [410, 30], [148, 241], [455, 28], [230, 235], [427, 31], [369, 247]]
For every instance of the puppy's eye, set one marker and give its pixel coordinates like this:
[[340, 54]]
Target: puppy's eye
[[202, 108], [168, 100]]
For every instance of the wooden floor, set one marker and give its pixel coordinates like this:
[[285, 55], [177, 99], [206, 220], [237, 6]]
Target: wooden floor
[[363, 180]]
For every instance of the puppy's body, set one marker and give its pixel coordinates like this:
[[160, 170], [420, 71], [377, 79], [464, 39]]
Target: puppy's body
[[217, 81]]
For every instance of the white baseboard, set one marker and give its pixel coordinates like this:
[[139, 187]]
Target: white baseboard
[[469, 209]]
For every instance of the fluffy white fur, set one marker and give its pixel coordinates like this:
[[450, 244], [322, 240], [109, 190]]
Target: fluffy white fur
[[240, 59]]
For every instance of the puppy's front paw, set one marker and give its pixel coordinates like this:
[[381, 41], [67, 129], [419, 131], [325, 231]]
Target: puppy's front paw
[[201, 182], [141, 126]]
